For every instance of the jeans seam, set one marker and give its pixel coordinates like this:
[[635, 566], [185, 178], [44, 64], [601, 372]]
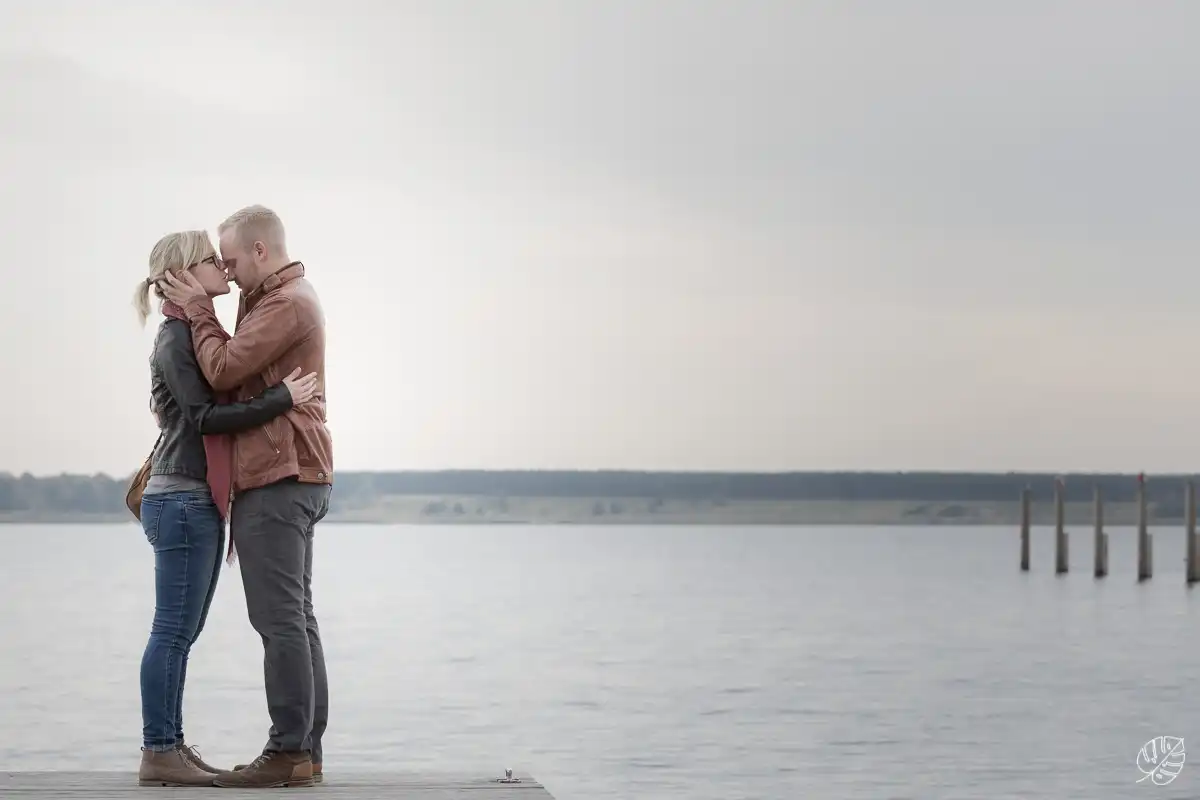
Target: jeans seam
[[168, 695], [157, 523]]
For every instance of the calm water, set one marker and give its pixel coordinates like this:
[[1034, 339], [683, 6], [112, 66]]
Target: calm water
[[647, 662]]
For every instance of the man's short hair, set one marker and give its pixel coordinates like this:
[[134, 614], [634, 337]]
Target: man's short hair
[[255, 223]]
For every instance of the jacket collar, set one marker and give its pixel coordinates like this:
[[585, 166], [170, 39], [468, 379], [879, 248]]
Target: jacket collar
[[286, 273]]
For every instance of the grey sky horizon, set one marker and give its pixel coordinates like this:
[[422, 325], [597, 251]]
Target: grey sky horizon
[[669, 235]]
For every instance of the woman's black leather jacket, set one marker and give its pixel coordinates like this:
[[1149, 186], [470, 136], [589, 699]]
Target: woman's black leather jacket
[[186, 409]]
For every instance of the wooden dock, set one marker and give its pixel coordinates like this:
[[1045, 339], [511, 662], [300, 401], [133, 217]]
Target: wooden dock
[[351, 786]]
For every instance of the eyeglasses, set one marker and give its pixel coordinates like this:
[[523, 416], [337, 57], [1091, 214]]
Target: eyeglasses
[[214, 259]]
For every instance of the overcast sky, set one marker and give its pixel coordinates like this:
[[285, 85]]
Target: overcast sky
[[671, 234]]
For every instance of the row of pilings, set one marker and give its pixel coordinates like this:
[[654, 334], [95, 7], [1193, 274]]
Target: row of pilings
[[1145, 542]]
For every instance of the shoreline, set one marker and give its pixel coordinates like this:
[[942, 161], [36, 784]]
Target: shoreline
[[615, 511]]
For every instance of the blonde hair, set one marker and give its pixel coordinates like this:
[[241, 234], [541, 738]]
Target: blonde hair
[[172, 253], [255, 223]]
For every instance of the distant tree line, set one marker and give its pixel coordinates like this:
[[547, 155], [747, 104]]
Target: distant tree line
[[103, 494], [84, 494]]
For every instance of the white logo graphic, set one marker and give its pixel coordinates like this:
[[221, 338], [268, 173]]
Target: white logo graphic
[[1161, 760]]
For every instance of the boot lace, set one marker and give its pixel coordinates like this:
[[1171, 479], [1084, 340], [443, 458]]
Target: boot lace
[[262, 759]]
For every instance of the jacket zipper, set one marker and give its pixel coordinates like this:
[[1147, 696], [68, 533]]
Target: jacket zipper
[[271, 439]]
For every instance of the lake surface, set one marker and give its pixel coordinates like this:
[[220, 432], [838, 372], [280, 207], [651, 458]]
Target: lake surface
[[654, 662]]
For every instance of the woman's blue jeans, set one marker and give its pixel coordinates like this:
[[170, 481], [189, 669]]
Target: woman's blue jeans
[[187, 535]]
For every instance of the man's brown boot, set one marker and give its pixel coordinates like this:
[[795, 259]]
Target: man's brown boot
[[318, 776], [170, 768], [193, 755], [269, 771]]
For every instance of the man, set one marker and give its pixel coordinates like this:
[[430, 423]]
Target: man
[[283, 476]]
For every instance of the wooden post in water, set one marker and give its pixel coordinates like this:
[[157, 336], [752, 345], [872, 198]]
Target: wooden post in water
[[1026, 497], [1189, 532], [1145, 561], [1101, 537], [1060, 533]]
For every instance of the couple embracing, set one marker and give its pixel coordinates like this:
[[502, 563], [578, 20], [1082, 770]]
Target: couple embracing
[[242, 442]]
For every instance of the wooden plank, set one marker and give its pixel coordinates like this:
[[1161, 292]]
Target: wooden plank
[[357, 785]]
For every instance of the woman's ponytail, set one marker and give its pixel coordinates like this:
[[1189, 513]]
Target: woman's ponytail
[[141, 301]]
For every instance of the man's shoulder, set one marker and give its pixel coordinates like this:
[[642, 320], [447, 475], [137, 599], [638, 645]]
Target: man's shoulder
[[300, 286], [302, 296]]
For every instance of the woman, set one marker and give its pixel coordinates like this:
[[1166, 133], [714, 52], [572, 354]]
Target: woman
[[186, 502]]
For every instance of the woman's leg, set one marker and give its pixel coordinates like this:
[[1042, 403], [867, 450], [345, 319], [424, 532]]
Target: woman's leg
[[184, 551], [206, 524]]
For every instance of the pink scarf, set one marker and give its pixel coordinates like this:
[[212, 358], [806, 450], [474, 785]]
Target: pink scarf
[[218, 447]]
